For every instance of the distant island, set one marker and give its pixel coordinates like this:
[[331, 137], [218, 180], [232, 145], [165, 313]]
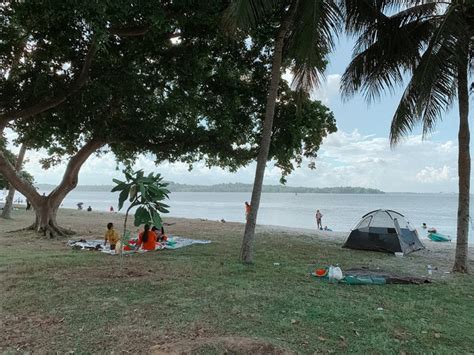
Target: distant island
[[237, 187]]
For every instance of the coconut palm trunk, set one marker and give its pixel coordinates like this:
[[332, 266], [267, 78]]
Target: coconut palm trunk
[[246, 254], [464, 173], [7, 209]]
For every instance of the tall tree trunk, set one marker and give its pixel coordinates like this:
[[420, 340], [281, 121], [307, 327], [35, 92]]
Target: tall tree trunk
[[7, 209], [464, 173], [46, 207], [246, 253], [46, 210]]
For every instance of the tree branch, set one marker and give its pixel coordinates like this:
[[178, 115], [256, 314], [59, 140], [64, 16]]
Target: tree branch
[[71, 175], [55, 101], [128, 31], [13, 178], [138, 31]]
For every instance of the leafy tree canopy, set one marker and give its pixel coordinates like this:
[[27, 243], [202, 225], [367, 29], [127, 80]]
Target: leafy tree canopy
[[199, 98]]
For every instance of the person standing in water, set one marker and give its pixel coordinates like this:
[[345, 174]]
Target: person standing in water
[[319, 217]]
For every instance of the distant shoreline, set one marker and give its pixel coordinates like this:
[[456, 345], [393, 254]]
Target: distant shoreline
[[236, 187]]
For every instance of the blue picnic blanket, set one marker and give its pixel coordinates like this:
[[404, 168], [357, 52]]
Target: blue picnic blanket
[[98, 244]]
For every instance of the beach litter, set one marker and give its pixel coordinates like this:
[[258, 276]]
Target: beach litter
[[363, 276]]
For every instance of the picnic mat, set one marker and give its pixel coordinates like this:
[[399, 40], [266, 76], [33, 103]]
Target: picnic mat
[[98, 244]]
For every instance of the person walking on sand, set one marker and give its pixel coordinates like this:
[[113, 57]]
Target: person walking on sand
[[247, 210], [319, 217]]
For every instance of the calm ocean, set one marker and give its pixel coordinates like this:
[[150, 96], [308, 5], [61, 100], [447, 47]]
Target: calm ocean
[[340, 211]]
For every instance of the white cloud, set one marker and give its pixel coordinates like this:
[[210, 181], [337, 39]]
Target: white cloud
[[414, 165], [447, 147], [328, 90], [430, 174]]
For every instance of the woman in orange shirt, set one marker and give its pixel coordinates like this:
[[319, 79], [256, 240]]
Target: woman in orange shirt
[[146, 239]]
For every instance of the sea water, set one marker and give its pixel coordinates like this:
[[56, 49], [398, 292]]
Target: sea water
[[340, 211]]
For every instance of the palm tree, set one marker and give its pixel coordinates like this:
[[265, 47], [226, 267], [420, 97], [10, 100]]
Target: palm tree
[[304, 36], [432, 42]]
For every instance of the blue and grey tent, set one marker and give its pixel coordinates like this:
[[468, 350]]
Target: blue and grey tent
[[385, 231]]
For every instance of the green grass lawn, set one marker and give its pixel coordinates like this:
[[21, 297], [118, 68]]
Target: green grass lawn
[[56, 299]]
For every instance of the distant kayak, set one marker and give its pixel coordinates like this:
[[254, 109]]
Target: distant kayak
[[438, 237]]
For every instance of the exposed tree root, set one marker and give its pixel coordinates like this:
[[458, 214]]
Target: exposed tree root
[[29, 228], [53, 230], [49, 230], [462, 269]]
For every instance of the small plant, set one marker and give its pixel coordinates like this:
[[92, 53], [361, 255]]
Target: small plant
[[145, 193]]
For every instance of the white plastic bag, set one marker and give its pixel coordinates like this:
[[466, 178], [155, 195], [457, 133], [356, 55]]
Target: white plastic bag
[[335, 274]]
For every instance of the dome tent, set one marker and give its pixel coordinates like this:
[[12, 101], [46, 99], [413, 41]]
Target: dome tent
[[386, 231]]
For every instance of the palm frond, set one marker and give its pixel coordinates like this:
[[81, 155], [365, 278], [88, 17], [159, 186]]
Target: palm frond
[[417, 11], [361, 14], [311, 38], [382, 54], [247, 13], [432, 88]]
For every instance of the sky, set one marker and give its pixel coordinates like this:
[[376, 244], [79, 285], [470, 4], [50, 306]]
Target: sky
[[358, 154]]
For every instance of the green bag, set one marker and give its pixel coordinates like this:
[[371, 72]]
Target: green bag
[[364, 280]]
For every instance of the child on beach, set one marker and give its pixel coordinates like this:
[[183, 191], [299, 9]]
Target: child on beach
[[111, 236], [160, 234]]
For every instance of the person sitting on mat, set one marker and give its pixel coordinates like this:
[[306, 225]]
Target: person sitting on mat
[[160, 235], [146, 239]]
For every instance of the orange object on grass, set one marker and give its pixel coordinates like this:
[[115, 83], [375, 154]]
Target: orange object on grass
[[320, 272]]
